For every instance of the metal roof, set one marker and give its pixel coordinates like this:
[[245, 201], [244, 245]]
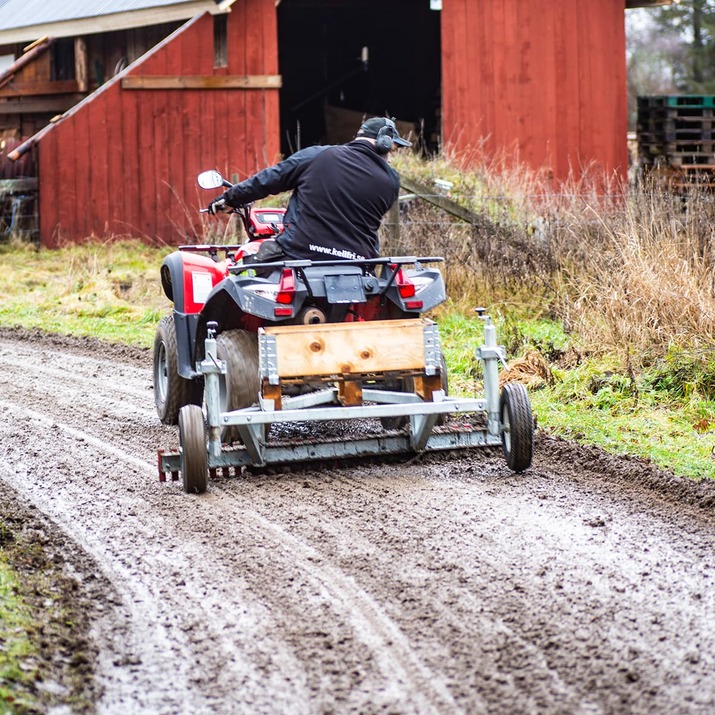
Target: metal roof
[[26, 20]]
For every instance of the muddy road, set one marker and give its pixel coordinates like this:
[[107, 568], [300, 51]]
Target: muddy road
[[442, 585]]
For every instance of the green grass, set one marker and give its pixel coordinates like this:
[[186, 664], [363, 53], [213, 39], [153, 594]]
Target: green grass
[[621, 414], [109, 291], [664, 413], [16, 645]]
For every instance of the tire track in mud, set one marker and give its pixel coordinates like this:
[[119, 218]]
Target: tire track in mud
[[392, 650], [400, 670], [564, 590], [449, 613], [557, 600]]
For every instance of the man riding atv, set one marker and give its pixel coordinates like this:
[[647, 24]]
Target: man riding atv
[[340, 196]]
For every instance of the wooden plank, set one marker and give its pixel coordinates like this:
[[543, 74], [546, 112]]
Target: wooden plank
[[116, 156], [349, 348], [28, 89], [55, 105], [500, 52], [48, 206], [22, 184], [350, 393], [128, 140], [203, 82], [179, 55], [96, 204], [80, 64], [271, 99], [255, 145], [32, 53], [443, 202], [79, 155], [63, 181]]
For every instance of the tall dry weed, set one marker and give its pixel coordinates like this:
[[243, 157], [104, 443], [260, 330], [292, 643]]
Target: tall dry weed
[[625, 268]]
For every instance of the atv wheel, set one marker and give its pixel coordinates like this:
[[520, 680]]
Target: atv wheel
[[239, 387], [192, 444], [517, 426], [407, 385], [171, 391]]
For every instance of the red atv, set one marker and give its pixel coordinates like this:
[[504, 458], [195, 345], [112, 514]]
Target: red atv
[[218, 284], [250, 345]]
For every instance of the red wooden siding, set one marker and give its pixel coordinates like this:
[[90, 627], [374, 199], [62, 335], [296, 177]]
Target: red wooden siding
[[124, 161], [536, 81]]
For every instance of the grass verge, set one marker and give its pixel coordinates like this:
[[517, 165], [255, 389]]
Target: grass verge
[[17, 674], [45, 659], [664, 412]]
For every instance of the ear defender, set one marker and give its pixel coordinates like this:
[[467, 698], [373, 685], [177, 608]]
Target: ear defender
[[383, 141]]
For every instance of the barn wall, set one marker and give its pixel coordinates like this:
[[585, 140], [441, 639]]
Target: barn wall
[[124, 162], [536, 81]]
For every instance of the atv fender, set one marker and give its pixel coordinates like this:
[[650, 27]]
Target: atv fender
[[178, 281]]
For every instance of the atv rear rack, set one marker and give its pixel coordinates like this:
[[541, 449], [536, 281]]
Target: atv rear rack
[[348, 356]]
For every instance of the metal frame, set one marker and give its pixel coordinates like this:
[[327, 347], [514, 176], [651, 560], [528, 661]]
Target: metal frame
[[420, 434]]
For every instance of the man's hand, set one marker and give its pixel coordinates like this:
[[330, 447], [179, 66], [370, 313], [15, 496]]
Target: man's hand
[[217, 206]]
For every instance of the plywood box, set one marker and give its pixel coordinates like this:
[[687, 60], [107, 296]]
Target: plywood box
[[349, 348]]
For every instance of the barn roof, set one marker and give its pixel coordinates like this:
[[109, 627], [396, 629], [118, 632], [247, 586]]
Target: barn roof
[[28, 20]]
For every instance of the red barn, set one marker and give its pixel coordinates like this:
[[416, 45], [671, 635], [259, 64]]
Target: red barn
[[175, 86]]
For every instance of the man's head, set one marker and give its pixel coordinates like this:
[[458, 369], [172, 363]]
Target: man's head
[[384, 133]]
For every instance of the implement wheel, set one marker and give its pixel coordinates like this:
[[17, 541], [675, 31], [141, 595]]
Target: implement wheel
[[192, 445], [171, 391], [239, 387], [517, 426]]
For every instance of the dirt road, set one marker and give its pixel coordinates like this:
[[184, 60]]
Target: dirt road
[[437, 586]]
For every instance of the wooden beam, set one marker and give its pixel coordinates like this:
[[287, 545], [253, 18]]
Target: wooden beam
[[80, 63], [260, 81], [34, 51], [446, 204], [19, 185], [51, 105], [30, 89]]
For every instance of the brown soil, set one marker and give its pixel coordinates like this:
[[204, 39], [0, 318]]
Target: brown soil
[[439, 584]]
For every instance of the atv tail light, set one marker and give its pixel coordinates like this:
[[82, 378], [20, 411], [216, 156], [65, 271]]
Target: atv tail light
[[286, 288], [405, 286]]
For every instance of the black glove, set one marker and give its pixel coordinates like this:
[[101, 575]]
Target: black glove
[[218, 205]]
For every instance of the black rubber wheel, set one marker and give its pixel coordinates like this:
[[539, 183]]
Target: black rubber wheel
[[517, 426], [240, 386], [192, 444], [408, 385], [171, 391]]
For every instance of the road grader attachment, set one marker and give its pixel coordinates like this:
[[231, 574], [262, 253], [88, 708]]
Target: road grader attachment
[[392, 370]]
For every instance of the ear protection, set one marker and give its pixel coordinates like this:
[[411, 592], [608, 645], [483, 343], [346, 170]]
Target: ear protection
[[383, 141]]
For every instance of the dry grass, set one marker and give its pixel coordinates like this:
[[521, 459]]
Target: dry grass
[[628, 271]]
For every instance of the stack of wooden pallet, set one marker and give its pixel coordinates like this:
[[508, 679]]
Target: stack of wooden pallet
[[676, 137]]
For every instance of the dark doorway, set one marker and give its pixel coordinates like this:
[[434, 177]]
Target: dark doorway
[[342, 59]]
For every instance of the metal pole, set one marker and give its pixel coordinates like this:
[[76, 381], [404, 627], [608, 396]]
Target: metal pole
[[490, 354], [211, 369]]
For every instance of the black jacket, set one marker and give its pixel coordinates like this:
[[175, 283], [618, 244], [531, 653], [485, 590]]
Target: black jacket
[[340, 195]]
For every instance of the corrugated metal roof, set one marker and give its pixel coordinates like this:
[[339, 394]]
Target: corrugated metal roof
[[26, 13], [28, 20]]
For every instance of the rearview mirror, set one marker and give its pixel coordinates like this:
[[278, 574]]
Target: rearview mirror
[[210, 179]]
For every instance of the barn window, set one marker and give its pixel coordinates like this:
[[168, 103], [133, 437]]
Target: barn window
[[220, 41]]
